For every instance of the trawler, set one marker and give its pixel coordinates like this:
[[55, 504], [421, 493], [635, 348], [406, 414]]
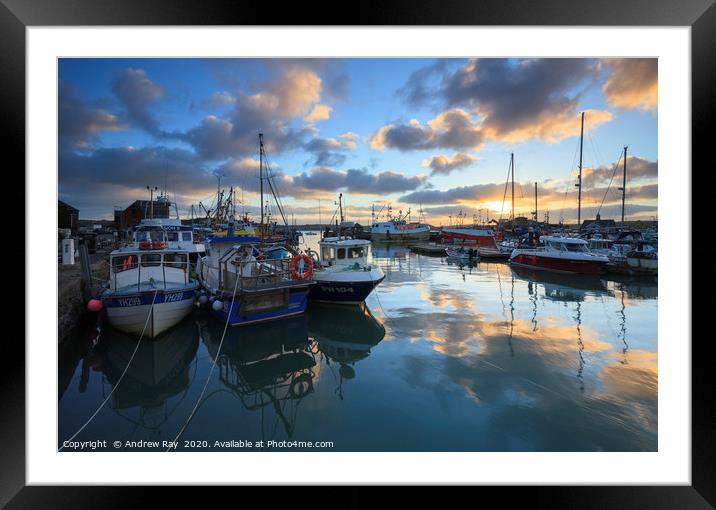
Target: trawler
[[398, 228]]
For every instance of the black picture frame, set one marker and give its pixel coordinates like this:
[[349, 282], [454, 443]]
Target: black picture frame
[[700, 15]]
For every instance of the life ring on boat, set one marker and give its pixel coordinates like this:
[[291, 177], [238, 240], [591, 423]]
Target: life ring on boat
[[307, 267], [158, 245], [145, 245]]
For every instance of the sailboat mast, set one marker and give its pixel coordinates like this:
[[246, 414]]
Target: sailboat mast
[[536, 221], [512, 166], [623, 188], [579, 185], [261, 174]]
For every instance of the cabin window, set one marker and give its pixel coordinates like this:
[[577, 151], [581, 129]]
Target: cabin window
[[328, 253], [355, 252], [172, 236], [151, 259], [120, 264], [575, 247], [186, 236], [175, 260], [341, 253]]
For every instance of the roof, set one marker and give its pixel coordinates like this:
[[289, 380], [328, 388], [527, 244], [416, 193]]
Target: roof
[[60, 203], [565, 240]]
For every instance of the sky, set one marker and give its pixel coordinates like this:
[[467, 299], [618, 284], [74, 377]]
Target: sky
[[430, 135]]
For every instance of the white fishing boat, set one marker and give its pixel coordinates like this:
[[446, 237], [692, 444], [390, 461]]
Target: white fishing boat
[[150, 288], [345, 271], [398, 228]]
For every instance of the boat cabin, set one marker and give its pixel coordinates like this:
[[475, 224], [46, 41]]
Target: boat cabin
[[134, 270], [169, 231], [568, 244], [341, 251]]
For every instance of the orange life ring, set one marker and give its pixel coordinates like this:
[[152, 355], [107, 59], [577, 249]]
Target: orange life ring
[[145, 245], [307, 268], [158, 245]]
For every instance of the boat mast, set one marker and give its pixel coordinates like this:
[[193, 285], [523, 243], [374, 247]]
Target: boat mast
[[536, 221], [512, 166], [623, 188], [261, 174], [579, 184], [340, 205]]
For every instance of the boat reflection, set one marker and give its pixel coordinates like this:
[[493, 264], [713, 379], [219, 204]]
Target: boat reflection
[[160, 370], [633, 287], [266, 366], [563, 287], [344, 335]]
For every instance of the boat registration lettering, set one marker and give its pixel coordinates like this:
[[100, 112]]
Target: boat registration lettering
[[129, 301], [174, 296], [340, 290]]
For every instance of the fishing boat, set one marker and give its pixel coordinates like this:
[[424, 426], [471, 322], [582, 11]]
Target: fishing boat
[[398, 228], [345, 272], [244, 287], [560, 254], [150, 287]]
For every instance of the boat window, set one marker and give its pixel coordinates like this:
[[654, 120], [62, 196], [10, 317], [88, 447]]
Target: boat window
[[186, 236], [151, 259], [355, 252], [341, 253], [122, 263], [575, 247], [172, 236], [175, 260], [328, 253]]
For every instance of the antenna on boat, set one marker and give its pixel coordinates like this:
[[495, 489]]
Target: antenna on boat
[[535, 213], [579, 184], [623, 188], [512, 166]]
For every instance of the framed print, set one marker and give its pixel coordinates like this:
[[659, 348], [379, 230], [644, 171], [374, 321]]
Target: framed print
[[423, 249]]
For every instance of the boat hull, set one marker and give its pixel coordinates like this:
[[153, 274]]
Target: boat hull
[[468, 237], [400, 236], [255, 307], [557, 265], [344, 292], [128, 313]]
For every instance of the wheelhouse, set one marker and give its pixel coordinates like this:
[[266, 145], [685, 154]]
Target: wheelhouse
[[336, 252], [135, 269]]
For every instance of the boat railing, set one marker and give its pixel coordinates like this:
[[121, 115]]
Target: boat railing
[[257, 275], [150, 270]]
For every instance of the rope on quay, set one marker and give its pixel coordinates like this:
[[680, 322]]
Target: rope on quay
[[213, 366], [136, 348]]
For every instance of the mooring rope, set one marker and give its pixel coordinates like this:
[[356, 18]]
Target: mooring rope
[[136, 348], [213, 366]]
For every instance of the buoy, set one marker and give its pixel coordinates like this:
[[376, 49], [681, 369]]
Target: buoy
[[94, 305], [203, 299], [217, 305]]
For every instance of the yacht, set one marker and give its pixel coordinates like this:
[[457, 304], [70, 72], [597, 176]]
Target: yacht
[[560, 254]]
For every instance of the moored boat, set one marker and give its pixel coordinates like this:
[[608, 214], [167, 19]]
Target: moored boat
[[260, 289], [560, 254], [345, 272], [150, 288]]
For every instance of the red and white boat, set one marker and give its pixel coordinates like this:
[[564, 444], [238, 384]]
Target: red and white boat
[[561, 255], [481, 237]]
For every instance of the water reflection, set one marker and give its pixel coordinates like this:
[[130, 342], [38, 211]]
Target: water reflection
[[345, 336], [266, 366], [159, 371]]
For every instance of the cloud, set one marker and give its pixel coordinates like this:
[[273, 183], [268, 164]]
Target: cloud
[[475, 192], [320, 181], [453, 129], [331, 151], [137, 93], [79, 123], [444, 165], [632, 83], [513, 100], [290, 95], [637, 168], [320, 112]]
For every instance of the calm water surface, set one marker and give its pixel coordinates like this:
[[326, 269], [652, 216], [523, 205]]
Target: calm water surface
[[442, 357]]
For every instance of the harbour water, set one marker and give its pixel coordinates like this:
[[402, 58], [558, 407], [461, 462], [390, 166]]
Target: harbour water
[[442, 357]]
